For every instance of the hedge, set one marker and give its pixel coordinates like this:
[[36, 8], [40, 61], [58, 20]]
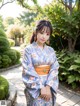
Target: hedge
[[4, 88], [4, 44]]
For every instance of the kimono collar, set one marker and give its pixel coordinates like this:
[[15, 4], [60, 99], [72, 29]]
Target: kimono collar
[[35, 43]]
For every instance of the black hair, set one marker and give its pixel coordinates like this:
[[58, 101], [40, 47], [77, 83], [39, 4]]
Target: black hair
[[40, 25]]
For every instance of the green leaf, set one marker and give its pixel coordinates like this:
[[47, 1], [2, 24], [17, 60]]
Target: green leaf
[[35, 1], [77, 78], [77, 61], [71, 79], [73, 67], [61, 78], [64, 73], [61, 55], [62, 67], [74, 85], [66, 59]]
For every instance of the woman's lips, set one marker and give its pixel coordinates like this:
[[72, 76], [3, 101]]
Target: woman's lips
[[42, 40]]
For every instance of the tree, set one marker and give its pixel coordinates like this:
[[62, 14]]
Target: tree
[[69, 5], [16, 33], [8, 21], [65, 20], [27, 17], [24, 3], [4, 2]]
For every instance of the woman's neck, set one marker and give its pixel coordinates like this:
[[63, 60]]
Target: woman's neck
[[40, 44]]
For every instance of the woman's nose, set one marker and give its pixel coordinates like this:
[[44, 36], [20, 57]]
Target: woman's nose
[[44, 35]]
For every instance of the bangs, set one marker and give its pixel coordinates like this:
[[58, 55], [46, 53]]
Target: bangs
[[44, 26], [45, 29]]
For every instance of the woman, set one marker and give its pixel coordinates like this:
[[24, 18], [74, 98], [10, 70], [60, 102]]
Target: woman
[[40, 68]]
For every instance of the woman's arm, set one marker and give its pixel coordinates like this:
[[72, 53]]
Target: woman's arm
[[52, 79]]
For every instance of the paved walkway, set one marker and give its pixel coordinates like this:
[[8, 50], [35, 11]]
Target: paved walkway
[[64, 97]]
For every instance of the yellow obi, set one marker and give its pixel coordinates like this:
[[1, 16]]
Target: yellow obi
[[42, 69]]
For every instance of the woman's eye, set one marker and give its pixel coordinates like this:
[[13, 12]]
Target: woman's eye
[[41, 32], [48, 34]]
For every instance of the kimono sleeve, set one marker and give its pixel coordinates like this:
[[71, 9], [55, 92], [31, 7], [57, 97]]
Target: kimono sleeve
[[29, 76], [52, 79]]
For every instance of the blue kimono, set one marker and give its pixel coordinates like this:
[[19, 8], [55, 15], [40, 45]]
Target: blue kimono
[[35, 56]]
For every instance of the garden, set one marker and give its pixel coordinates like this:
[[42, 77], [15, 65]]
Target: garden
[[64, 16]]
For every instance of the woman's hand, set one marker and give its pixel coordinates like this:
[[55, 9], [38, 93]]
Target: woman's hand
[[46, 93], [43, 93]]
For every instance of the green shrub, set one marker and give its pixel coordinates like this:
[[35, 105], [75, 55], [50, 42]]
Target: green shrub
[[69, 70], [12, 55], [11, 42], [4, 88], [2, 33], [6, 61], [18, 55], [9, 57], [4, 44]]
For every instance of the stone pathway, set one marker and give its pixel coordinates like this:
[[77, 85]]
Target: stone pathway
[[64, 97]]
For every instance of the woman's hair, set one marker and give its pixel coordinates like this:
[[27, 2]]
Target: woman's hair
[[40, 25]]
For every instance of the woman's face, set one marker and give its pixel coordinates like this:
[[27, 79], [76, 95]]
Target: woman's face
[[43, 35]]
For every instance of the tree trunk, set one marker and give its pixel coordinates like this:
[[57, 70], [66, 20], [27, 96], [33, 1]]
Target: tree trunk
[[15, 41], [70, 7], [19, 40], [70, 44]]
